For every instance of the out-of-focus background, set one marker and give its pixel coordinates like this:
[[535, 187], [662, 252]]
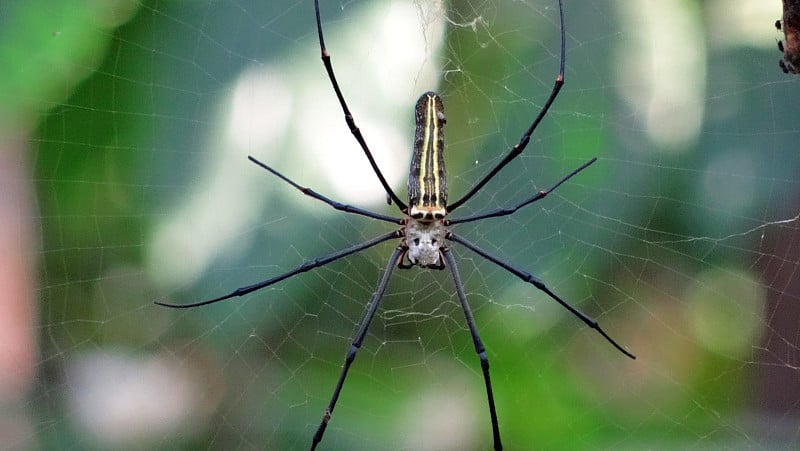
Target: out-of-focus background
[[124, 131]]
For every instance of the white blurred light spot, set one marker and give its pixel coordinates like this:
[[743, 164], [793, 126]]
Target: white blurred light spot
[[260, 109], [122, 401], [749, 23], [662, 70]]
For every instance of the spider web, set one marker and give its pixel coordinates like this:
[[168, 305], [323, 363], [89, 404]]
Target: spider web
[[125, 180]]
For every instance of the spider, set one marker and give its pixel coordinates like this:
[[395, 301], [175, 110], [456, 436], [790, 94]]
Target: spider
[[790, 46], [425, 228]]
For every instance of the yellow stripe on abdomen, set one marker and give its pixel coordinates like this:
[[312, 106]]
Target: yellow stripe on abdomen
[[427, 185]]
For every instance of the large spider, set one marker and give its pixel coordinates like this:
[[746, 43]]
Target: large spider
[[425, 227]]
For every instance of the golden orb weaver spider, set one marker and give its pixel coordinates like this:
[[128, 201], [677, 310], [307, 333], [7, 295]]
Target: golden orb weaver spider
[[425, 226]]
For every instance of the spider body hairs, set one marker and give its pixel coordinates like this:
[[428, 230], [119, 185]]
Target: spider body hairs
[[790, 45], [425, 227]]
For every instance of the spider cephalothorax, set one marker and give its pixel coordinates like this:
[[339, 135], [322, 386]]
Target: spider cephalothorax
[[424, 241]]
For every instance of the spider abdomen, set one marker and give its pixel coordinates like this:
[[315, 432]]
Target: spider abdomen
[[427, 182]]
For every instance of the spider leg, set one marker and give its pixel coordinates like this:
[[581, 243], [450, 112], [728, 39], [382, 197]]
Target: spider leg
[[507, 211], [372, 307], [527, 277], [348, 117], [337, 205], [401, 262], [476, 340], [523, 142], [306, 266]]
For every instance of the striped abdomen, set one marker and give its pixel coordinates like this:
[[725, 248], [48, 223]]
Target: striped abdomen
[[427, 184]]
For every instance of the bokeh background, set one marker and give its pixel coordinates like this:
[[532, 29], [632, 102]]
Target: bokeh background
[[124, 131]]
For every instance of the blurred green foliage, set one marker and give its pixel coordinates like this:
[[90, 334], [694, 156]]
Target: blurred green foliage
[[48, 48]]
